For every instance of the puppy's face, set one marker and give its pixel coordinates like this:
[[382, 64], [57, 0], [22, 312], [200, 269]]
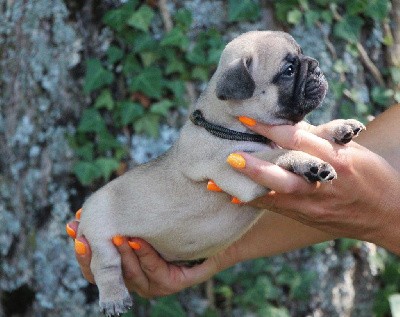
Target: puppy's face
[[264, 75]]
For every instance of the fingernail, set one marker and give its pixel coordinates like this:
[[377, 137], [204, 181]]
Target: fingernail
[[235, 200], [118, 240], [248, 121], [211, 186], [80, 247], [134, 245], [71, 232], [78, 214], [236, 160], [271, 193]]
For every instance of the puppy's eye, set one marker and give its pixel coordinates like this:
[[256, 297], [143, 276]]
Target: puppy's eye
[[289, 71]]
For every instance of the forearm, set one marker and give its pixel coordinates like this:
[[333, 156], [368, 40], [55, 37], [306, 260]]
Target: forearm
[[272, 234], [383, 136]]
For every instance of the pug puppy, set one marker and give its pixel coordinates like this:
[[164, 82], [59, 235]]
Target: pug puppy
[[262, 75]]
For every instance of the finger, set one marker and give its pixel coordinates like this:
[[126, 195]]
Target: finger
[[133, 274], [152, 264], [83, 255], [72, 228], [272, 176], [296, 138]]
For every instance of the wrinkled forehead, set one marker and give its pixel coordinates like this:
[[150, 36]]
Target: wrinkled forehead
[[264, 47]]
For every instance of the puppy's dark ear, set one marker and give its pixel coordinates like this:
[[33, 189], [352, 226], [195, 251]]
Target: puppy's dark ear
[[236, 83]]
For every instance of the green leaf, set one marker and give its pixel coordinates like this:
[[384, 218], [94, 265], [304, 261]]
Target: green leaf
[[294, 16], [141, 19], [106, 141], [114, 54], [397, 96], [311, 17], [104, 100], [130, 64], [144, 42], [148, 124], [243, 10], [395, 73], [128, 112], [176, 38], [377, 9], [349, 28], [162, 107], [283, 7], [85, 152], [382, 96], [106, 166], [183, 18], [116, 18], [91, 121], [200, 73], [167, 307], [149, 81], [148, 58], [86, 172], [96, 76], [271, 311]]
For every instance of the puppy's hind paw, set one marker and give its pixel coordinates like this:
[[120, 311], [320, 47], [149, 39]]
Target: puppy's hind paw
[[116, 308], [347, 130]]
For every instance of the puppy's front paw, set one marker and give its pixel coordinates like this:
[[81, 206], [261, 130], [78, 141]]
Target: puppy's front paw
[[113, 308], [316, 171], [346, 130]]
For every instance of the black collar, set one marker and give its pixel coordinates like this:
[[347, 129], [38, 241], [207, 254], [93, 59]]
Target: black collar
[[198, 119]]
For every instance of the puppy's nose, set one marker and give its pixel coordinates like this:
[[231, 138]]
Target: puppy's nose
[[312, 64]]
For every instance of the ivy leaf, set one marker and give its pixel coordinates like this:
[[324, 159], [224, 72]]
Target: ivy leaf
[[149, 82], [176, 38], [130, 64], [96, 76], [104, 100], [114, 54], [183, 18], [116, 18], [377, 9], [167, 307], [243, 10], [142, 18], [129, 112], [162, 107], [86, 172], [382, 96], [311, 17], [91, 121], [148, 124], [294, 16], [106, 166], [106, 141], [349, 28]]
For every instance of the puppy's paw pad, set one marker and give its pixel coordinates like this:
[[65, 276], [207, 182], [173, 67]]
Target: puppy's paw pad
[[116, 308], [347, 130], [320, 172]]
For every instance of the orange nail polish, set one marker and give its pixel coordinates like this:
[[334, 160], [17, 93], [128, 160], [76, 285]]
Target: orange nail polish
[[118, 240], [211, 186], [134, 245], [71, 232], [78, 214], [236, 160], [235, 200], [80, 247], [248, 121]]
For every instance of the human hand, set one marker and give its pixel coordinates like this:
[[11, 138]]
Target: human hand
[[144, 271], [362, 203]]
